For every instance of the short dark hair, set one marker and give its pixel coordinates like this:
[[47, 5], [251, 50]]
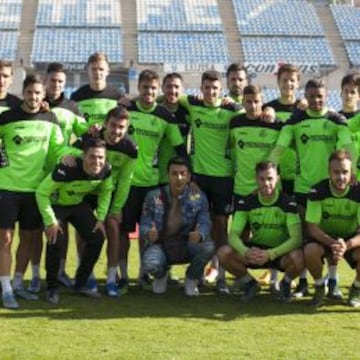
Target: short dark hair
[[340, 155], [32, 79], [251, 90], [315, 84], [170, 76], [178, 160], [55, 67], [211, 75], [148, 75], [96, 57], [5, 63], [351, 79], [118, 112], [93, 142], [265, 165], [236, 67], [288, 68]]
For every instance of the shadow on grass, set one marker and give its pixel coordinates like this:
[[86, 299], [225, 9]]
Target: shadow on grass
[[174, 304]]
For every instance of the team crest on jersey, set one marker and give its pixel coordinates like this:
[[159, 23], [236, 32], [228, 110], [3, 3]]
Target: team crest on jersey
[[61, 172], [131, 129], [198, 123], [304, 138]]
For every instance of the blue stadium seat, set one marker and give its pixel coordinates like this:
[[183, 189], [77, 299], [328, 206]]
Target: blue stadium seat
[[10, 14], [347, 19], [8, 40]]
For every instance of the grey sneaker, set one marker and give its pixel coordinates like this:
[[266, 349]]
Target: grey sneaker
[[221, 287], [319, 296], [9, 301], [84, 290], [191, 287], [251, 288], [159, 285], [34, 285], [24, 294], [52, 296], [354, 296]]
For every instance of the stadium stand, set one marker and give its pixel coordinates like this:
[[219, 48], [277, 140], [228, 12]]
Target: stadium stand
[[282, 30], [72, 29], [173, 31], [10, 17], [347, 19]]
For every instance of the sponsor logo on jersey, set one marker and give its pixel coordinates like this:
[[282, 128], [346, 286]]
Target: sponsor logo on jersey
[[321, 138], [254, 145], [207, 125], [142, 132], [327, 216], [94, 117], [19, 140]]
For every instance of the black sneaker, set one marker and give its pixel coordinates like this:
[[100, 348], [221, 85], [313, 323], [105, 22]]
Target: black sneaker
[[52, 296], [123, 286], [285, 291], [302, 289], [251, 288], [354, 296], [145, 282], [333, 290], [319, 296]]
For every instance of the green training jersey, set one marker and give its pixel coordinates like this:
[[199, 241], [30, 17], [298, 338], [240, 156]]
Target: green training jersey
[[210, 129], [96, 104], [353, 121], [337, 215], [122, 158], [29, 140], [166, 151], [147, 128], [275, 224], [251, 142], [67, 186], [70, 120], [288, 160], [316, 136]]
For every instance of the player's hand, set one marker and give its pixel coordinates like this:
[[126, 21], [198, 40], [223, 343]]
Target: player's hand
[[262, 257], [124, 101], [268, 115], [44, 106], [99, 226], [302, 105], [153, 234], [195, 236], [51, 233], [69, 160], [251, 255], [338, 248], [94, 129], [227, 100]]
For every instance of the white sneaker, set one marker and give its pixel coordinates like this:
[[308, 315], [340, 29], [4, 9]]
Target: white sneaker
[[159, 285], [191, 287]]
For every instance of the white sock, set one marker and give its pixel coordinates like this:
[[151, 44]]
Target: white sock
[[319, 281], [273, 275], [332, 271], [111, 277], [18, 280], [303, 274], [35, 271], [123, 269], [6, 284]]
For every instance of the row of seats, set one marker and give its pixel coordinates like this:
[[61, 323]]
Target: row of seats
[[79, 13], [197, 48], [287, 49], [353, 52], [277, 17], [74, 46], [8, 41], [10, 14], [347, 19], [178, 15]]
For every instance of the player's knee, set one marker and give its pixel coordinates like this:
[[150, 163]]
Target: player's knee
[[223, 253], [312, 251]]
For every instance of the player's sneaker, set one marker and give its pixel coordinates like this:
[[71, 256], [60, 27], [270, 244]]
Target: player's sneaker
[[91, 284], [211, 274], [251, 288], [145, 282], [333, 290], [237, 285], [9, 301], [221, 287], [274, 288], [84, 290], [285, 291], [354, 296], [191, 287], [302, 288], [159, 285], [112, 290], [24, 294], [319, 296], [52, 296], [123, 286], [34, 285], [65, 280]]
